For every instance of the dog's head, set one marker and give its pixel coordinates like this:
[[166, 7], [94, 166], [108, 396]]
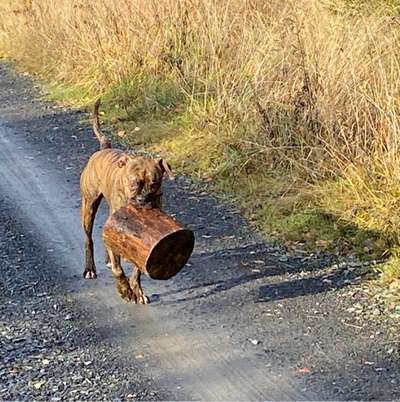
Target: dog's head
[[144, 179]]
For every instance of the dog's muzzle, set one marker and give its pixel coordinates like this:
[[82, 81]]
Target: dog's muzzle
[[148, 200]]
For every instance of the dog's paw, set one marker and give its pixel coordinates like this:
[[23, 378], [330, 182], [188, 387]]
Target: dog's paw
[[138, 295], [125, 290], [128, 296], [141, 299], [89, 274]]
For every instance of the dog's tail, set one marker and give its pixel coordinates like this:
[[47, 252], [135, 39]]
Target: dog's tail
[[104, 141]]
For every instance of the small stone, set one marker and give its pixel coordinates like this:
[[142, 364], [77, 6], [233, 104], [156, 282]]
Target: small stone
[[254, 341], [368, 363], [354, 264], [39, 384]]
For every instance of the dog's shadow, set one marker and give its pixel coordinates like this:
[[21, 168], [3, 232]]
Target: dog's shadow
[[261, 273]]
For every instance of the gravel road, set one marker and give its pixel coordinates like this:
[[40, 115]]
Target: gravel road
[[245, 320]]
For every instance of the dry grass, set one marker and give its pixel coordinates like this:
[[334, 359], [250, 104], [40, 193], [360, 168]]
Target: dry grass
[[307, 90]]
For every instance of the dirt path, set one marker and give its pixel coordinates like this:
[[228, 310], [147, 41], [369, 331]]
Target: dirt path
[[243, 321]]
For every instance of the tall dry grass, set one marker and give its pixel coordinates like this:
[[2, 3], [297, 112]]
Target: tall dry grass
[[308, 87]]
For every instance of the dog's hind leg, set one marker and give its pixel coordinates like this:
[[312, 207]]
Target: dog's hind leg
[[136, 287], [89, 209], [123, 286]]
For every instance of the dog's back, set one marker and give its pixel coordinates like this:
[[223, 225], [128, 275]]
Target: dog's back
[[99, 171]]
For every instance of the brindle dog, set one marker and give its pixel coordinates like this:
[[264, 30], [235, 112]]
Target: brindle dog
[[120, 178]]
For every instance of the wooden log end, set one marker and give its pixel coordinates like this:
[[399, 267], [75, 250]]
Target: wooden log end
[[170, 254]]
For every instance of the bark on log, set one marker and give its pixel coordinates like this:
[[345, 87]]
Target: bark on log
[[156, 243]]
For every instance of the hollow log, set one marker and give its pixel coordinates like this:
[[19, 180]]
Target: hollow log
[[155, 242]]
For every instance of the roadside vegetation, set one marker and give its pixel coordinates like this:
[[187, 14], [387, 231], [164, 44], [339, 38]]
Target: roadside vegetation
[[292, 108]]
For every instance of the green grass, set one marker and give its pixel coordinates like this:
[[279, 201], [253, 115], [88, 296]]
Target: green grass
[[279, 208], [67, 94], [140, 98], [390, 270], [140, 110]]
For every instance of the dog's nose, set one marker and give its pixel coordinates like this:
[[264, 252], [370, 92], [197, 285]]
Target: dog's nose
[[149, 198]]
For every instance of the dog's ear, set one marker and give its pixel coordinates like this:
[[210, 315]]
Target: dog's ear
[[166, 168], [122, 161]]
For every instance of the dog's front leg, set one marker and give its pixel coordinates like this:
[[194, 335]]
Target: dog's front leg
[[123, 286], [89, 209], [136, 287]]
